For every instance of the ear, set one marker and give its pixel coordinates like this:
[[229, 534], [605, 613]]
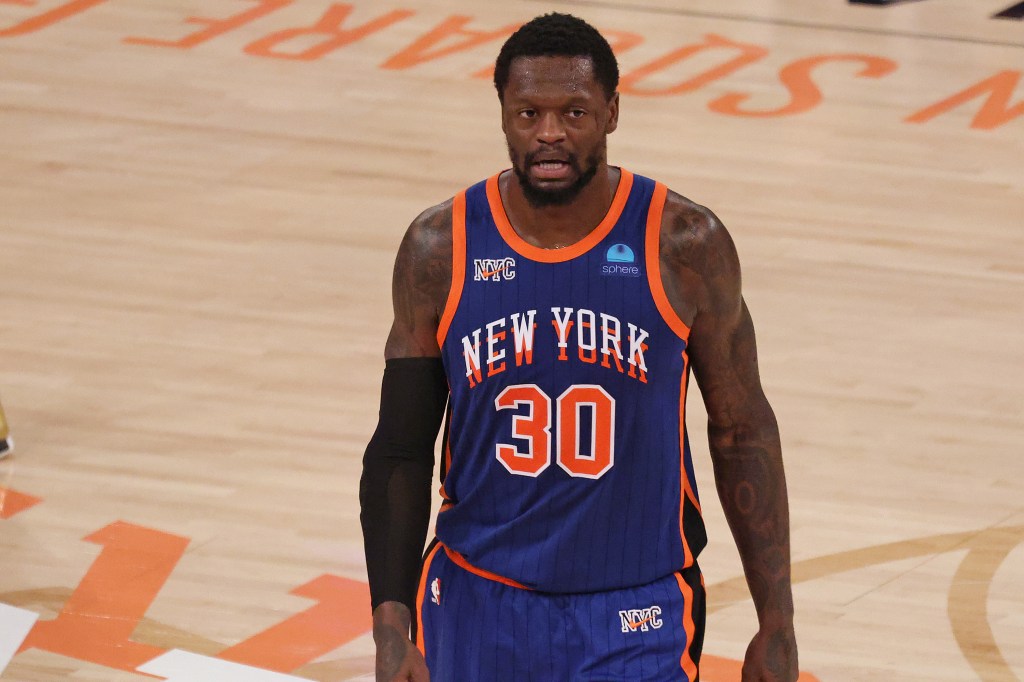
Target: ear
[[613, 114]]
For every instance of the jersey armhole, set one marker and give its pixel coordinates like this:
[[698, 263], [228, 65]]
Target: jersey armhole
[[458, 266], [652, 251]]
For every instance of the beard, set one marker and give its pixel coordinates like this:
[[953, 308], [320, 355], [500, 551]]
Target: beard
[[539, 197]]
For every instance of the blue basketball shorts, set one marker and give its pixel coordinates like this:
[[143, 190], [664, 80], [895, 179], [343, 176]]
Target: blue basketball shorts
[[477, 627]]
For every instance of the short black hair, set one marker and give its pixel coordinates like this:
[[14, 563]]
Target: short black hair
[[558, 35]]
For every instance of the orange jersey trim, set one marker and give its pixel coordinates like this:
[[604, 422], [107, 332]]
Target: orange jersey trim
[[653, 255], [652, 249], [448, 449], [524, 248], [461, 562], [685, 489], [420, 596], [458, 266], [446, 501], [686, 661], [682, 431]]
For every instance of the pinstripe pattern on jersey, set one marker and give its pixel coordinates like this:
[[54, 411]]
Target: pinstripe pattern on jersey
[[525, 495]]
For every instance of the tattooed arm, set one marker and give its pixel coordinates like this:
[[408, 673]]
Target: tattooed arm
[[398, 465], [703, 282], [420, 284]]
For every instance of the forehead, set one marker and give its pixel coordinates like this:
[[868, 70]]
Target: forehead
[[552, 77]]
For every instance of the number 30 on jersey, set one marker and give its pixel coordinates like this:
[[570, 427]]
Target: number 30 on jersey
[[534, 427]]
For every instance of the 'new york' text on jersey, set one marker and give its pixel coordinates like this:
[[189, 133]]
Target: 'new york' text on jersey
[[567, 467]]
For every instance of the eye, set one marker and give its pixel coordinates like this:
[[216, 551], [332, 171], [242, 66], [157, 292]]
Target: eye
[[527, 113], [577, 113]]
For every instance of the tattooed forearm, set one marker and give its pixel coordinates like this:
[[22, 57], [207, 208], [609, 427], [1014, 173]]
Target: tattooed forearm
[[752, 486], [391, 647], [391, 622]]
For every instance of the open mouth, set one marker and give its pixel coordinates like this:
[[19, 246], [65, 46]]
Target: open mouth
[[551, 169]]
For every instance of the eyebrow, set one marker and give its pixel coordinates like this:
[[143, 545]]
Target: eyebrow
[[575, 98]]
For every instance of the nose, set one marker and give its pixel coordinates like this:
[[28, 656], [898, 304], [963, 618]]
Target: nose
[[551, 129]]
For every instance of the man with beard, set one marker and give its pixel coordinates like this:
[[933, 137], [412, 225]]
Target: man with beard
[[557, 309]]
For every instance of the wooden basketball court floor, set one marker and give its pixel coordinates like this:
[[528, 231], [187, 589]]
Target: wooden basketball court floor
[[199, 208]]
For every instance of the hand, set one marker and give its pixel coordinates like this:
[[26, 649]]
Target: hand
[[398, 659], [771, 656]]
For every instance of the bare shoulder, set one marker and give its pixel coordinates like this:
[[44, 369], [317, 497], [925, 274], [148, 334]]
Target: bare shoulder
[[693, 234], [426, 253], [697, 253], [431, 230], [420, 284]]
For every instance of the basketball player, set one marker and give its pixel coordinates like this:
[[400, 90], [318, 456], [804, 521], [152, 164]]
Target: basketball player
[[558, 308]]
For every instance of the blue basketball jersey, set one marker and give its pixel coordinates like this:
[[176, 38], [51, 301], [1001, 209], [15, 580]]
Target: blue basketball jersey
[[567, 467]]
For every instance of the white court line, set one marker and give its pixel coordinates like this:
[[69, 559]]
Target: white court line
[[15, 624], [183, 666]]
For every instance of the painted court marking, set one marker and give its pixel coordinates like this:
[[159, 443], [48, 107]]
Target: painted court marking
[[95, 619], [97, 622], [719, 669], [334, 31], [15, 624], [12, 502], [1010, 12], [304, 637], [183, 666]]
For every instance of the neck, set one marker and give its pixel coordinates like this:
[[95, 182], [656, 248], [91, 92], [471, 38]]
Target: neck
[[553, 227]]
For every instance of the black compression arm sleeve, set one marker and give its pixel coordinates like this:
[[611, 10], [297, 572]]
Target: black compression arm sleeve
[[394, 492]]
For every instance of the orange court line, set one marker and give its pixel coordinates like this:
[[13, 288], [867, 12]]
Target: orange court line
[[12, 502], [719, 669], [98, 620], [335, 620]]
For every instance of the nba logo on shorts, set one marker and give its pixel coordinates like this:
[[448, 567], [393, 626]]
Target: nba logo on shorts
[[435, 591]]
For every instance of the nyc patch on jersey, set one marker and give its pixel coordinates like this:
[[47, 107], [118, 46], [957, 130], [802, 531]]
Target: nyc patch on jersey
[[567, 464]]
